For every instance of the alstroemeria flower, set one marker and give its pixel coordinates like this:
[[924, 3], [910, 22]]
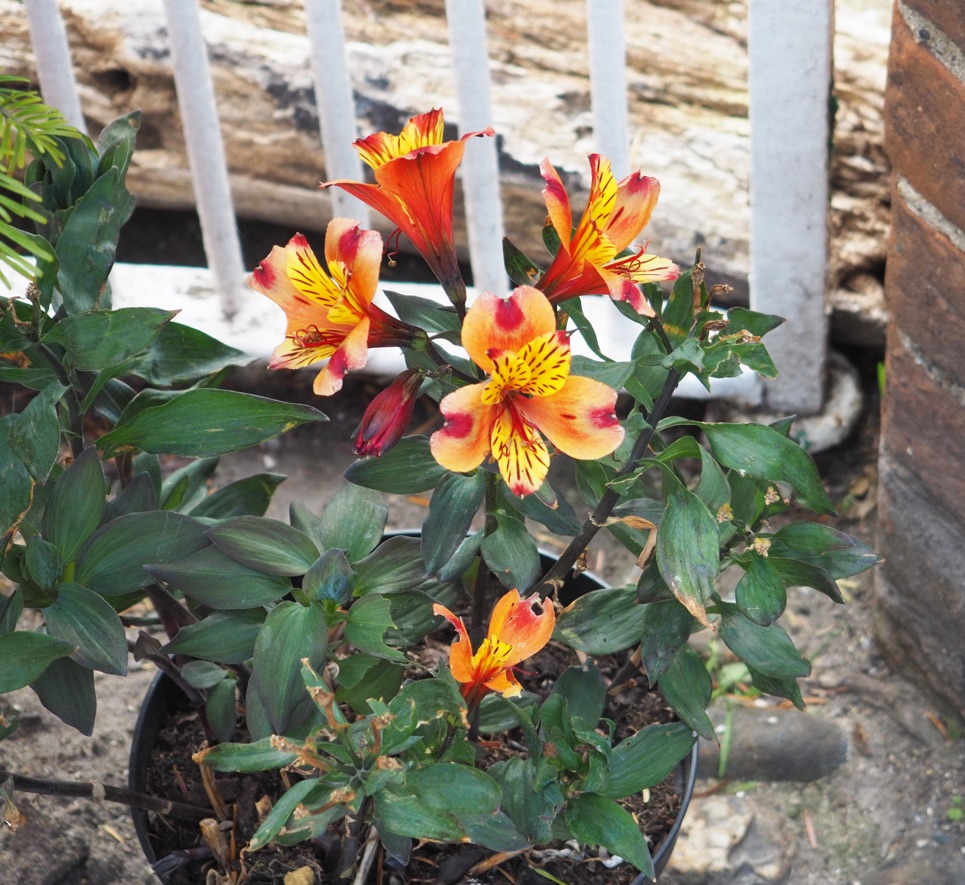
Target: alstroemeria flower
[[518, 628], [588, 262], [330, 315], [415, 173], [530, 394]]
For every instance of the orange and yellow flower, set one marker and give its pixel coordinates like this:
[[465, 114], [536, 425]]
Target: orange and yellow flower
[[518, 628], [415, 173], [530, 394], [589, 261], [330, 315]]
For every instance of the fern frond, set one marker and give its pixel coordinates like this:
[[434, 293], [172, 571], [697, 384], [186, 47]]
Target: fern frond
[[27, 124]]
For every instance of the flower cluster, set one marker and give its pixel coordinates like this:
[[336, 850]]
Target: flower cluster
[[326, 636]]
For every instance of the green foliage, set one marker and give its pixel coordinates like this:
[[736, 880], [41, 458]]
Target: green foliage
[[308, 627]]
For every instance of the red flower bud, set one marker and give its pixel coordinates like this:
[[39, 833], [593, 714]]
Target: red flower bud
[[387, 416]]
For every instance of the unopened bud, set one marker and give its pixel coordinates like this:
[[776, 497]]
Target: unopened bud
[[387, 416]]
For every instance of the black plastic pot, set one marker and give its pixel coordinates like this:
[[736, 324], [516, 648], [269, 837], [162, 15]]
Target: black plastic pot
[[164, 698]]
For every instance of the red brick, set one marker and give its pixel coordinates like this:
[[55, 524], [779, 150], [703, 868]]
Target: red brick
[[925, 124], [920, 616], [947, 15], [923, 425], [925, 290]]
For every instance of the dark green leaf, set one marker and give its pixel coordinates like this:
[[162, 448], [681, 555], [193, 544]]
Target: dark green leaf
[[424, 313], [290, 632], [247, 758], [86, 247], [115, 144], [760, 592], [595, 820], [678, 312], [137, 496], [688, 551], [250, 496], [35, 433], [66, 688], [214, 579], [647, 757], [686, 686], [24, 656], [768, 650], [519, 267], [43, 563], [180, 354], [366, 624], [758, 324], [227, 637], [610, 373], [202, 674], [100, 339], [602, 622], [75, 506], [113, 561], [353, 521], [86, 620], [330, 577], [187, 486], [283, 809], [781, 687], [203, 422], [760, 451], [584, 690], [666, 628], [220, 710], [511, 554], [396, 564], [712, 488], [453, 505], [265, 545], [16, 484], [548, 506], [11, 608], [408, 467], [838, 554], [802, 574], [362, 677]]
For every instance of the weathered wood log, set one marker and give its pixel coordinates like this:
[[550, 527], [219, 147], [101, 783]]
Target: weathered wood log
[[687, 68]]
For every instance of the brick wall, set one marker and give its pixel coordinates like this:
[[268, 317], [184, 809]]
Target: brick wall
[[921, 585]]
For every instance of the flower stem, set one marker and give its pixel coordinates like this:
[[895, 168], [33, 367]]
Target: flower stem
[[558, 571], [88, 790]]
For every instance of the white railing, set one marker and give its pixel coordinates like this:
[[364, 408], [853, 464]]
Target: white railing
[[789, 47]]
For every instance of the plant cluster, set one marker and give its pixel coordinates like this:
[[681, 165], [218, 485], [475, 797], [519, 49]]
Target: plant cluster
[[306, 628]]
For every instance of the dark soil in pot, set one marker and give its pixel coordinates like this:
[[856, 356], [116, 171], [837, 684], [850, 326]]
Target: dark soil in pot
[[169, 733]]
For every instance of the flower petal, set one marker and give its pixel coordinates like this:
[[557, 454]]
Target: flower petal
[[636, 198], [460, 653], [498, 324], [353, 353], [579, 420], [519, 451], [557, 203], [420, 131], [548, 359], [526, 624], [463, 442]]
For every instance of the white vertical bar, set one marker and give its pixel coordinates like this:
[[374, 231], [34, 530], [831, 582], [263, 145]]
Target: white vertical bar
[[54, 69], [336, 107], [202, 133], [608, 82], [480, 166], [790, 56]]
